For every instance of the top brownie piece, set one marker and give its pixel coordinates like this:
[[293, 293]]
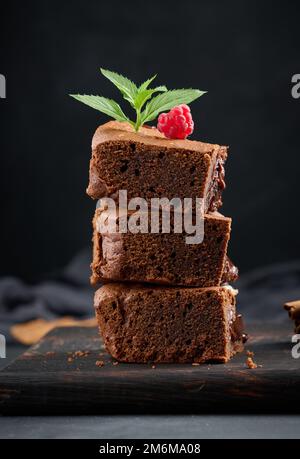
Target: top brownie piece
[[148, 165]]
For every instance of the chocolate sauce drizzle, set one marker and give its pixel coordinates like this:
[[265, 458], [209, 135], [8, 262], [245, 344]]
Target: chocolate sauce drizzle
[[230, 272], [217, 186], [237, 330]]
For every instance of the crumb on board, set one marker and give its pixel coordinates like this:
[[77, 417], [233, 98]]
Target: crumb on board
[[153, 367], [50, 354], [100, 363], [77, 355], [115, 363], [250, 362], [81, 353], [195, 364]]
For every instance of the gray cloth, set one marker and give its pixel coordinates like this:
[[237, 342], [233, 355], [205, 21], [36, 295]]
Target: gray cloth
[[262, 294], [68, 294]]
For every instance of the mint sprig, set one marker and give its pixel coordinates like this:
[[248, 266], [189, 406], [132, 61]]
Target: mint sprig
[[104, 105], [137, 96]]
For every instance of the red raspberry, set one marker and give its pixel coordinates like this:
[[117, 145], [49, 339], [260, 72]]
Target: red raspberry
[[177, 124]]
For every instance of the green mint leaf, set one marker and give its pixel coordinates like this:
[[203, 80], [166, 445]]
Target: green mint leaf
[[160, 88], [125, 86], [146, 83], [168, 100], [104, 105], [146, 94]]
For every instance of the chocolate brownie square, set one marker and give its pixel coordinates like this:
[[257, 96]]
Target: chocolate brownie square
[[148, 165], [164, 324], [163, 258]]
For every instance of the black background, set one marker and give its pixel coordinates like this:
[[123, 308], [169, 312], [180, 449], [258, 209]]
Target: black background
[[243, 53]]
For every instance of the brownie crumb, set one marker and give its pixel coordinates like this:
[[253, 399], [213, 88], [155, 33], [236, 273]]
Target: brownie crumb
[[50, 354], [250, 354], [100, 363], [77, 354], [81, 353], [250, 363]]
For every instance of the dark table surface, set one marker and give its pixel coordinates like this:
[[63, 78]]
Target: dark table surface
[[146, 426]]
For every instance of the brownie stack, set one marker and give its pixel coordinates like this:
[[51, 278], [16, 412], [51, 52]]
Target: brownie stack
[[162, 300]]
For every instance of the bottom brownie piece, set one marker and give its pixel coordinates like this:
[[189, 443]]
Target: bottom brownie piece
[[165, 324]]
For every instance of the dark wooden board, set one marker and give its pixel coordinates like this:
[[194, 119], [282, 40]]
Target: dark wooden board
[[42, 381]]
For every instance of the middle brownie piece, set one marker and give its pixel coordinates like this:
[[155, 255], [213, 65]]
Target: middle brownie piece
[[164, 258]]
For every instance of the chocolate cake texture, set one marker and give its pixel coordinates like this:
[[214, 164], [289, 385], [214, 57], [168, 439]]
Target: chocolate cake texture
[[163, 258], [168, 324], [148, 165]]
